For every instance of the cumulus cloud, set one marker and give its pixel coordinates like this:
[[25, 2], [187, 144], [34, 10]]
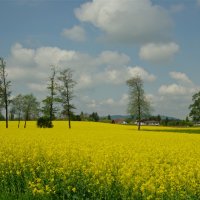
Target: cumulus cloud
[[85, 81], [43, 56], [76, 33], [22, 55], [107, 69], [157, 53], [146, 76], [179, 76], [120, 75], [173, 89], [177, 89], [113, 58], [125, 20], [46, 56], [32, 66]]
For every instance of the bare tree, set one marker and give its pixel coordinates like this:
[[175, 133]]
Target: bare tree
[[66, 92], [4, 88], [138, 105]]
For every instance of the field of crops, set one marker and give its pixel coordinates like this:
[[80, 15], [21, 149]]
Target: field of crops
[[99, 161]]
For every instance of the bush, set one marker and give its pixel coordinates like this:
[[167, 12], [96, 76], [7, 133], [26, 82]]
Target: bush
[[44, 122]]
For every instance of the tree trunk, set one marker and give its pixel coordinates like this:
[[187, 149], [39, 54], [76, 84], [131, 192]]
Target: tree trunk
[[69, 119], [19, 121], [5, 98], [139, 124], [6, 114]]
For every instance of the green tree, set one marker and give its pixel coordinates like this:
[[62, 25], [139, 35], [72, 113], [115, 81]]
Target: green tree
[[187, 119], [195, 107], [4, 88], [17, 106], [66, 85], [1, 117], [30, 108], [158, 118], [94, 117], [138, 104], [166, 121]]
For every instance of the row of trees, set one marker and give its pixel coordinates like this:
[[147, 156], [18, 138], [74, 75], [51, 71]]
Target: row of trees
[[60, 91]]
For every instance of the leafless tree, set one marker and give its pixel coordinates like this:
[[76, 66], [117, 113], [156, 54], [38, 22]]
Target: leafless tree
[[4, 88]]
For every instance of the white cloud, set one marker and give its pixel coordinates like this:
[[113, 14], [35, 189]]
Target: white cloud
[[150, 97], [113, 76], [22, 55], [85, 81], [179, 76], [33, 66], [158, 53], [15, 73], [175, 89], [134, 71], [120, 75], [113, 58], [43, 56], [76, 33], [46, 56], [125, 20], [105, 70], [198, 2]]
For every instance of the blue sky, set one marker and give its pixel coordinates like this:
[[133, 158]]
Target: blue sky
[[105, 42]]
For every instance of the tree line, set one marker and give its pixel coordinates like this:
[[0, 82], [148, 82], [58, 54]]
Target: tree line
[[60, 95]]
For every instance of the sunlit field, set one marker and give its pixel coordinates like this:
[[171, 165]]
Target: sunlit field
[[99, 161]]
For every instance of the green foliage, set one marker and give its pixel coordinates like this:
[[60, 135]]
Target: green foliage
[[49, 108], [75, 117], [2, 118], [66, 85], [181, 123], [94, 117], [30, 107], [44, 122], [138, 104], [195, 107]]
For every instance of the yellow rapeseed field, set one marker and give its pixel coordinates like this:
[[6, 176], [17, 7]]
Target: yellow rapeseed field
[[98, 161]]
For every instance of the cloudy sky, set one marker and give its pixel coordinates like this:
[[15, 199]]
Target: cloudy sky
[[105, 42]]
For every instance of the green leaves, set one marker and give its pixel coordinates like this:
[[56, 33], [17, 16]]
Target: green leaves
[[195, 107]]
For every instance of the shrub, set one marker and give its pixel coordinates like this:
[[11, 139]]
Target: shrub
[[44, 122]]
